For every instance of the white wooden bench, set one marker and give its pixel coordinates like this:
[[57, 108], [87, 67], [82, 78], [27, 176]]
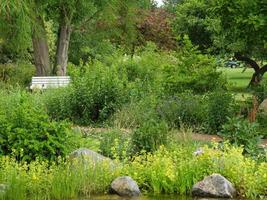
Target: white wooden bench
[[44, 82]]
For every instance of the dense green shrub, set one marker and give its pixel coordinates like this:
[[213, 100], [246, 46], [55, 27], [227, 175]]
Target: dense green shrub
[[260, 91], [149, 136], [58, 103], [115, 144], [171, 73], [100, 89], [184, 109], [96, 92], [201, 112], [134, 113], [262, 121], [220, 106], [16, 74], [241, 132], [143, 71], [191, 71], [26, 130]]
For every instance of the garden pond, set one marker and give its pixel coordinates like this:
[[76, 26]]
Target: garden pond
[[145, 197]]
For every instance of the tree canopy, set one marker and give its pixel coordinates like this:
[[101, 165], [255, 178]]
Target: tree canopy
[[23, 26], [234, 27]]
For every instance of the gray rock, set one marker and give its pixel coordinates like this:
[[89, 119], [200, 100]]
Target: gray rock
[[215, 186], [87, 156], [125, 186]]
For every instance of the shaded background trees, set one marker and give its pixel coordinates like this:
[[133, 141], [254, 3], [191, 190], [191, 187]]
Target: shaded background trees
[[23, 26]]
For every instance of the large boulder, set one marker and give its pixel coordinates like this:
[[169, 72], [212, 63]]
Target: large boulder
[[88, 156], [125, 186], [215, 186]]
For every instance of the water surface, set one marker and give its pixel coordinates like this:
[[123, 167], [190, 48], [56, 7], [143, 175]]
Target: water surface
[[145, 197]]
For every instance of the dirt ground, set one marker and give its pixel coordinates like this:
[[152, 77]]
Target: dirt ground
[[193, 136], [216, 138]]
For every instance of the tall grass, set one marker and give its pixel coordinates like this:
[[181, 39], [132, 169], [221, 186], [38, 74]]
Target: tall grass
[[64, 180]]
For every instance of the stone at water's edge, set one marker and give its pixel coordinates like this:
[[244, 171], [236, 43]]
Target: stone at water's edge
[[84, 153], [125, 186], [215, 186], [88, 155]]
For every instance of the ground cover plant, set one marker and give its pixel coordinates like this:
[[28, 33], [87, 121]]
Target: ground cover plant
[[27, 132], [172, 169]]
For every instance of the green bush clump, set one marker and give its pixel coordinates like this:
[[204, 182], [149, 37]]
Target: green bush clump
[[27, 131], [193, 71], [149, 136], [134, 113], [58, 103], [184, 109], [220, 106], [16, 74], [260, 91], [262, 121], [115, 144], [95, 93], [201, 112], [240, 131]]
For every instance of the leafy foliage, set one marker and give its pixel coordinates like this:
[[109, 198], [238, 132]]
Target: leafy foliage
[[241, 132], [156, 27], [185, 109], [191, 71], [115, 144], [168, 170], [149, 136], [192, 19], [94, 95], [27, 132], [16, 74], [220, 107]]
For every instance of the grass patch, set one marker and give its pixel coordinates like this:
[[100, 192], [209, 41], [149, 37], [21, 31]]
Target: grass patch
[[238, 81], [238, 78]]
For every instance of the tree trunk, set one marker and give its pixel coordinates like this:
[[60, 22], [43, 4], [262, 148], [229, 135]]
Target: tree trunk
[[255, 79], [64, 33], [40, 48], [258, 71]]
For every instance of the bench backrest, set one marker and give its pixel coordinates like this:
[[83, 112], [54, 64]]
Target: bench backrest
[[44, 82]]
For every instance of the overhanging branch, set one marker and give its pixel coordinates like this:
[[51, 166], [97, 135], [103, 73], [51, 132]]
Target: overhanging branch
[[248, 61]]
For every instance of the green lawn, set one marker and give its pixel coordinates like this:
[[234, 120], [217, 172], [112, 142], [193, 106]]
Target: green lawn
[[238, 80]]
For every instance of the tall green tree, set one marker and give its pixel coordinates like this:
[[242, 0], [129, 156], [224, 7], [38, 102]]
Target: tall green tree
[[235, 27], [170, 5], [242, 30], [22, 24], [103, 35], [22, 27], [191, 19]]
